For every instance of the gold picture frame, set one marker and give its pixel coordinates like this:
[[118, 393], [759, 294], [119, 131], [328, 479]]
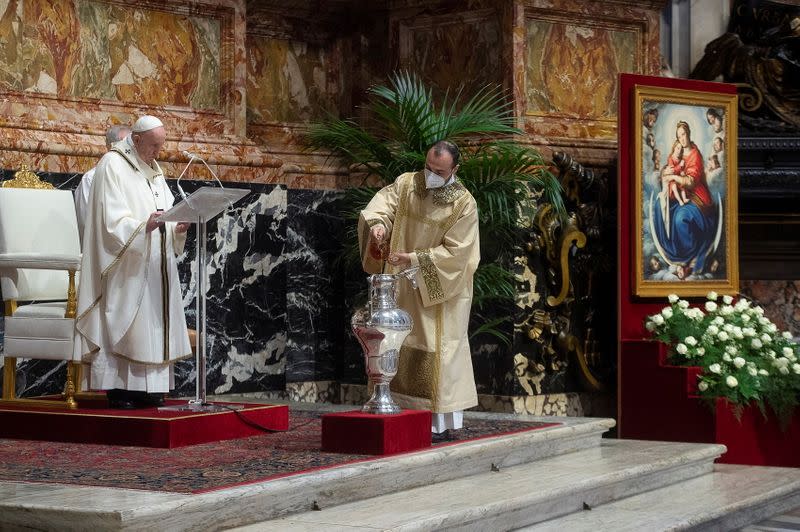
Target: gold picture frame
[[685, 201]]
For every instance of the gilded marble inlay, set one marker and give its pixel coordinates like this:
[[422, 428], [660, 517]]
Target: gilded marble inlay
[[429, 275], [287, 81], [572, 68], [92, 49]]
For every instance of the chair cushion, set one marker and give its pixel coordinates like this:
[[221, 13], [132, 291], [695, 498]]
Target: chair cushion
[[50, 226], [54, 309], [39, 337]]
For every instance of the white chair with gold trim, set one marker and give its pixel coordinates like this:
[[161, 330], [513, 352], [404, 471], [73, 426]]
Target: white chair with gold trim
[[39, 255]]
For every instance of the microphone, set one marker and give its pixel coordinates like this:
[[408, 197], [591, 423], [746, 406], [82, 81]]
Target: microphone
[[192, 157]]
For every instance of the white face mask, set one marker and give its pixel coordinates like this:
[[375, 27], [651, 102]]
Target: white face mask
[[434, 180]]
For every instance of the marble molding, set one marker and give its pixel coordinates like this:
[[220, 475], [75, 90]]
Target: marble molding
[[272, 311], [780, 300]]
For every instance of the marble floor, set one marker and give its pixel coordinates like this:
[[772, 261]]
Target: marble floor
[[544, 475]]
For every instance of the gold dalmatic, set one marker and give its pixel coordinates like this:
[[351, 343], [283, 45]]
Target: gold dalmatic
[[439, 227]]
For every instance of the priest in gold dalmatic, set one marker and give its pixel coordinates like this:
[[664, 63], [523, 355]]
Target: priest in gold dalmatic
[[429, 220], [130, 324]]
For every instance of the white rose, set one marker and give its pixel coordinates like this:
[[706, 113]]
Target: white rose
[[702, 386], [719, 320], [730, 349], [726, 310], [796, 368], [711, 306], [727, 300], [771, 354], [650, 326], [690, 340], [784, 370], [763, 372], [681, 348], [731, 381], [673, 298], [658, 319], [772, 328], [749, 331], [737, 333], [712, 296], [780, 362], [722, 335], [787, 351], [753, 371], [745, 318], [787, 335], [715, 368], [758, 310], [683, 303], [728, 327], [701, 351], [726, 357], [738, 362], [766, 338], [667, 312], [712, 330], [756, 343], [762, 320]]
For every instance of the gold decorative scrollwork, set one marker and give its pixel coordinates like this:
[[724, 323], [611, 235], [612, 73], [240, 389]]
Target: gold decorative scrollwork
[[750, 98], [565, 254], [24, 178]]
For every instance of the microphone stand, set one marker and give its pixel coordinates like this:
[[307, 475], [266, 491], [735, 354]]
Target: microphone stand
[[199, 403]]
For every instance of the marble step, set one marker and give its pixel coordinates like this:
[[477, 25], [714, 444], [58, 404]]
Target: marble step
[[517, 496], [59, 507], [729, 498]]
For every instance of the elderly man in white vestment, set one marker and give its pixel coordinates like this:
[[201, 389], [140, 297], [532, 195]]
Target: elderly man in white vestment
[[130, 325], [113, 134], [430, 220]]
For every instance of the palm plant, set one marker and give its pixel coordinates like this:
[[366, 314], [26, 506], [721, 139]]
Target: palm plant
[[402, 122]]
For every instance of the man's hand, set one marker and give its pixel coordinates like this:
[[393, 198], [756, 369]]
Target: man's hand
[[400, 259], [182, 227], [152, 222], [376, 244]]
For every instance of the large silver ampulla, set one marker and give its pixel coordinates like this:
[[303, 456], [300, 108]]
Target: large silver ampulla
[[381, 328]]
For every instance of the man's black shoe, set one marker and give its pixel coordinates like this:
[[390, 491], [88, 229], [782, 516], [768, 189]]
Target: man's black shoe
[[153, 399], [441, 437], [121, 404]]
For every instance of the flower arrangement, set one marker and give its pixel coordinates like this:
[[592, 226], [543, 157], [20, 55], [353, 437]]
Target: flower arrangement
[[743, 356]]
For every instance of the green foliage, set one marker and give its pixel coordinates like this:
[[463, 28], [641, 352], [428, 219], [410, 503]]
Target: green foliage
[[744, 357], [402, 122]]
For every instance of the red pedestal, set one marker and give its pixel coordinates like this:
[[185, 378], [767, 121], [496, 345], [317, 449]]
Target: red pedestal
[[358, 433]]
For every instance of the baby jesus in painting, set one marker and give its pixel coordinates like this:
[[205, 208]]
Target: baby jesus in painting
[[677, 166]]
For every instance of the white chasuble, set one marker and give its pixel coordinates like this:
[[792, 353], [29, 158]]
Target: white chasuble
[[130, 322], [439, 227]]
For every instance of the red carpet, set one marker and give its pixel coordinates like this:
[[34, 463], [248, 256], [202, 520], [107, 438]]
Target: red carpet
[[204, 467], [146, 427]]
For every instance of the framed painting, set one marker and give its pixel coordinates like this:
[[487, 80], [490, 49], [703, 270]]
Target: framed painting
[[685, 198]]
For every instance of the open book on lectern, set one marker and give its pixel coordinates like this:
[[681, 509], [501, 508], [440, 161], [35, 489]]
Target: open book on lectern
[[205, 202]]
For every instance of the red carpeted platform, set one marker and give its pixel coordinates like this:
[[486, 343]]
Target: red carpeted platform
[[358, 433], [146, 427], [660, 402]]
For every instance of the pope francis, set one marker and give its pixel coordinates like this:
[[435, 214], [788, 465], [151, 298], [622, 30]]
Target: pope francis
[[428, 219], [130, 323]]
